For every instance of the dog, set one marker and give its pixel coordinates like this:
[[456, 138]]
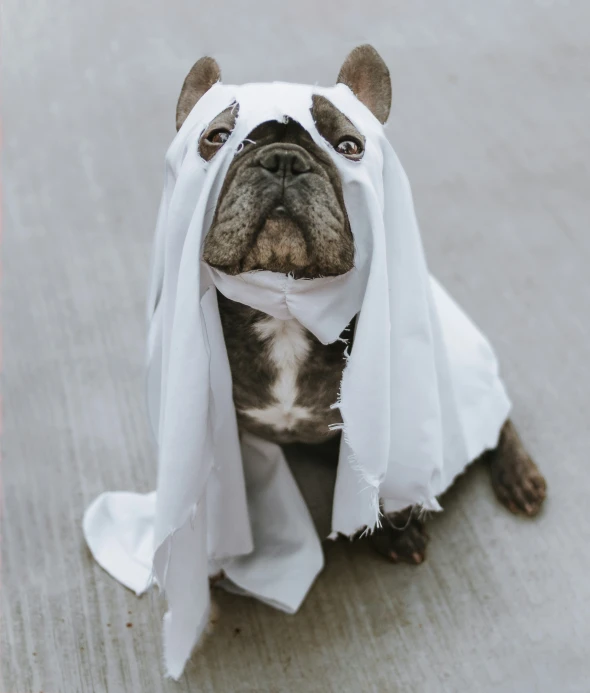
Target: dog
[[281, 208]]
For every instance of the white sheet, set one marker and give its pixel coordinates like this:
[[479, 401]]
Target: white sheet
[[420, 395]]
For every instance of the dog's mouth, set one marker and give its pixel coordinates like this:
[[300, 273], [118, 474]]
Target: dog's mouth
[[280, 242], [280, 246]]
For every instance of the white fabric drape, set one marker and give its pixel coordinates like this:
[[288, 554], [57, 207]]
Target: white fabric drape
[[420, 395]]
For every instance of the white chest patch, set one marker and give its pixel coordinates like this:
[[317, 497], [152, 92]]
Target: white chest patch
[[288, 346]]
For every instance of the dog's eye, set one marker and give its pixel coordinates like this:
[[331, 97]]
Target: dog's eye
[[350, 148], [218, 137]]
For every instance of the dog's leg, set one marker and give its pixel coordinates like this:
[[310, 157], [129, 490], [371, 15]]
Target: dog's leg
[[401, 537], [516, 480]]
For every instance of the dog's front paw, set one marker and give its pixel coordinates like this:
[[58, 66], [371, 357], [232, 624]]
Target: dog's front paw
[[401, 538], [518, 483]]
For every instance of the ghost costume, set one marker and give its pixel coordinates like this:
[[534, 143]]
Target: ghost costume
[[420, 395]]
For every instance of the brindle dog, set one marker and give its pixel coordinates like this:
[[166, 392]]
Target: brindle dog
[[281, 208]]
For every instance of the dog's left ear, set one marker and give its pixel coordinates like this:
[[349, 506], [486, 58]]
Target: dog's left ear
[[368, 78], [203, 75]]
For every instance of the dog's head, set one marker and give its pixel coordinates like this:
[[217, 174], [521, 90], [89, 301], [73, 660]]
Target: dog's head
[[281, 207]]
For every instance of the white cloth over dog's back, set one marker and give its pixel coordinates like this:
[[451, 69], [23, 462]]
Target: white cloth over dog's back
[[420, 394]]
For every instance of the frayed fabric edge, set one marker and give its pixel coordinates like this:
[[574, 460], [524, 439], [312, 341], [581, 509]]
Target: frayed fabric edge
[[204, 628], [172, 667], [370, 481]]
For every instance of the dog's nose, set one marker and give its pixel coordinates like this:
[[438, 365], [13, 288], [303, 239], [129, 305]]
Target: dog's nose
[[284, 162]]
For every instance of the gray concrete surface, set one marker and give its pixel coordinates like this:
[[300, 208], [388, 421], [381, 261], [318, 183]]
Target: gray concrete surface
[[491, 113]]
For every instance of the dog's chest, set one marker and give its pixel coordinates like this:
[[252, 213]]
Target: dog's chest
[[287, 346], [284, 380]]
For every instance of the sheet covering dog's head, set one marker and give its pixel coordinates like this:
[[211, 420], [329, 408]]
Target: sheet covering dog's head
[[289, 198], [281, 207]]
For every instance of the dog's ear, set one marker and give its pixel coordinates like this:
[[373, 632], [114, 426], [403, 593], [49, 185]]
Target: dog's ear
[[203, 75], [368, 78]]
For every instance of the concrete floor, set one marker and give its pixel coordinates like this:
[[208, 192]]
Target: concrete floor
[[491, 112]]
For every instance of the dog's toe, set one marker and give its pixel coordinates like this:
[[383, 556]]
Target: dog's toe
[[519, 485], [402, 538]]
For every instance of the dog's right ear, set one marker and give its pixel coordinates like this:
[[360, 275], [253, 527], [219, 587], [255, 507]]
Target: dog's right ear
[[203, 75]]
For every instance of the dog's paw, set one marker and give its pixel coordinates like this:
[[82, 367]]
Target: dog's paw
[[518, 484], [401, 538]]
